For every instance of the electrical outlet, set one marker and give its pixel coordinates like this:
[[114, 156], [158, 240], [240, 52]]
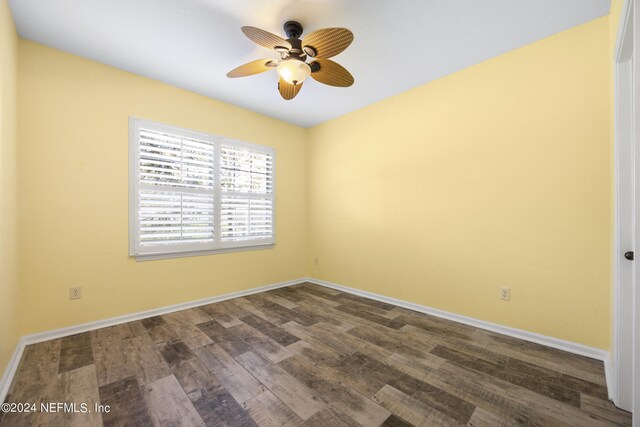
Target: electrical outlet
[[75, 293], [505, 294]]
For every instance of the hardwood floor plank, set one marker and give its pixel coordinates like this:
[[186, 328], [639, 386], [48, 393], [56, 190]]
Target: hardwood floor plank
[[235, 307], [427, 370], [351, 343], [215, 405], [295, 292], [393, 340], [261, 343], [563, 413], [415, 366], [347, 299], [542, 356], [127, 406], [338, 370], [220, 408], [434, 397], [438, 327], [109, 354], [222, 337], [145, 361], [184, 322], [309, 355], [75, 352], [500, 342], [160, 331], [551, 378], [169, 405], [221, 313], [515, 375], [196, 379], [316, 352], [483, 418], [288, 293], [274, 332], [192, 315], [275, 298], [37, 372], [604, 409], [325, 314], [175, 354], [410, 409], [250, 307], [34, 382], [269, 411], [320, 337], [303, 401], [153, 322], [78, 386], [236, 380], [367, 307], [396, 421], [329, 417], [270, 308], [340, 397], [301, 296], [389, 323]]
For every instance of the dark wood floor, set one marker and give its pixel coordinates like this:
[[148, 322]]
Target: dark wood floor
[[308, 355]]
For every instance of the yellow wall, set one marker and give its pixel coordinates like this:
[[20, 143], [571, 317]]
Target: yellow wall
[[497, 175], [73, 165], [8, 183]]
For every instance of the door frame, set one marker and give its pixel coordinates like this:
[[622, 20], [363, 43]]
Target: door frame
[[626, 294]]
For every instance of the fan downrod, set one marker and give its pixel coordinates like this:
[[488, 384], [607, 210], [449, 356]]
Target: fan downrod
[[293, 29]]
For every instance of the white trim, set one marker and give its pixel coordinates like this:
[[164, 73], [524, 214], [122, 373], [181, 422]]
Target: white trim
[[621, 55], [569, 346], [170, 255], [12, 367], [619, 377], [610, 377], [216, 245]]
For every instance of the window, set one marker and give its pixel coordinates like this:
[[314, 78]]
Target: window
[[193, 193]]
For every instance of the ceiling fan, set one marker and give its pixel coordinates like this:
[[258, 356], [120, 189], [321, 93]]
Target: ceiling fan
[[292, 66]]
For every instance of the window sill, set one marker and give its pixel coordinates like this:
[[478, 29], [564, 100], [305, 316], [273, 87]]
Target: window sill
[[166, 255]]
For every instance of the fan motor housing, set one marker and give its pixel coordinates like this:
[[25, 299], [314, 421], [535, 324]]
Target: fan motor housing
[[293, 29]]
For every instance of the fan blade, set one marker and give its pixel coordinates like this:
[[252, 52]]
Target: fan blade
[[265, 38], [328, 42], [253, 67], [287, 90], [331, 73]]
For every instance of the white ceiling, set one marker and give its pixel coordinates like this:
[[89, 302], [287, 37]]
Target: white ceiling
[[398, 44]]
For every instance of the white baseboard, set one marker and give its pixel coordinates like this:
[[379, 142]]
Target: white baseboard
[[610, 377], [571, 347], [12, 367]]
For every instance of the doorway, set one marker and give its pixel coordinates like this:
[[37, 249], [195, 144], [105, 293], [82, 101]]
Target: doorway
[[626, 322]]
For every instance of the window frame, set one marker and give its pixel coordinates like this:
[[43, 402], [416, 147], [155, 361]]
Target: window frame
[[197, 249]]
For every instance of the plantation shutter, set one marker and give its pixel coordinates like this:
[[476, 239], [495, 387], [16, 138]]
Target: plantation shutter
[[246, 201], [193, 192], [176, 192]]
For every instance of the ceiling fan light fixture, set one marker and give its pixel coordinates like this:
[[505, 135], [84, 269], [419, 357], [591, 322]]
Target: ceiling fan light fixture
[[294, 71], [292, 67]]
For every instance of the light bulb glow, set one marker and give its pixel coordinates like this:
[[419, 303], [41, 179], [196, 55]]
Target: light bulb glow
[[294, 71]]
